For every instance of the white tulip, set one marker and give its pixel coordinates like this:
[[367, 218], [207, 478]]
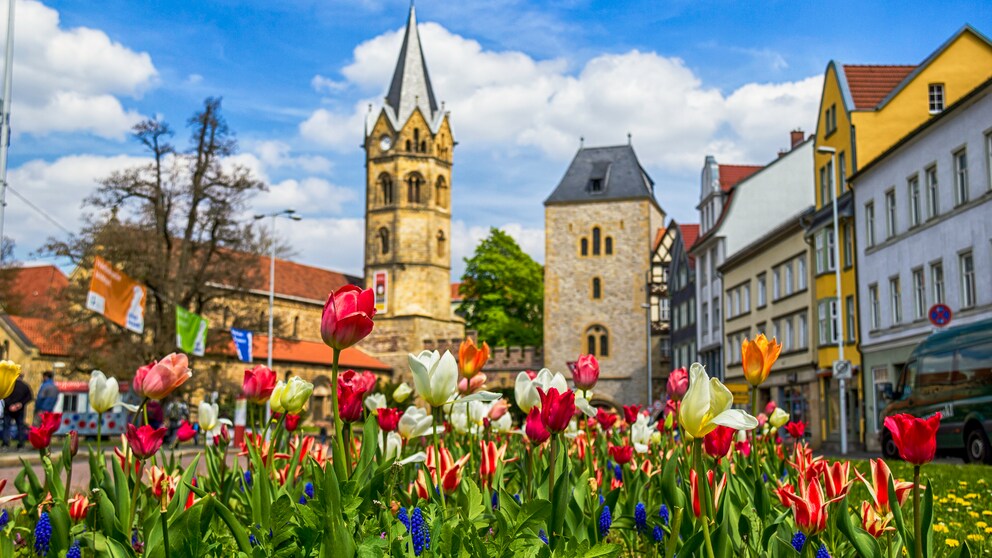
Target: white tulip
[[393, 446], [778, 417], [640, 433], [104, 392], [415, 423], [375, 401], [707, 404], [207, 417], [503, 424], [435, 376], [525, 389], [401, 392]]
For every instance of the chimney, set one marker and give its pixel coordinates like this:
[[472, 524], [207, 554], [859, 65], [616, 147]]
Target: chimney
[[796, 137]]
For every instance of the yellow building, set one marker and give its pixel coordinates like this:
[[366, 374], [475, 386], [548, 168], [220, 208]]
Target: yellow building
[[864, 109]]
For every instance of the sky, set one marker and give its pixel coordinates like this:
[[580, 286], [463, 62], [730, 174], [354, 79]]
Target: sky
[[524, 81]]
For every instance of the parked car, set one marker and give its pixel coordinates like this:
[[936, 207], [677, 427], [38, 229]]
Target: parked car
[[950, 372]]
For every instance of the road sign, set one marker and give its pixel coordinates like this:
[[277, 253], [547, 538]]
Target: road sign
[[741, 393], [842, 369], [940, 315]]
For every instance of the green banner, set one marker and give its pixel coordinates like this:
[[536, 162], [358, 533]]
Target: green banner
[[191, 332]]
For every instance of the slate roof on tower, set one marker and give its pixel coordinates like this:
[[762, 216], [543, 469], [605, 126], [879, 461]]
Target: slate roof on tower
[[603, 173], [411, 85]]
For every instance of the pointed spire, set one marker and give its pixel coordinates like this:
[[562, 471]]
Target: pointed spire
[[411, 86]]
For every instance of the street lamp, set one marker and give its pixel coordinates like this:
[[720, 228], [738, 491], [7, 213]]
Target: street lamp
[[842, 383], [291, 214], [647, 312]]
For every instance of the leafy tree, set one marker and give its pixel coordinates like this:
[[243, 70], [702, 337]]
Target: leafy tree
[[503, 290]]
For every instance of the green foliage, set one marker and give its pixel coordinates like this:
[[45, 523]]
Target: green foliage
[[503, 290]]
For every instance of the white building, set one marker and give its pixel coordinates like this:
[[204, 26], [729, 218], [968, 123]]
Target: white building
[[737, 205], [924, 234]]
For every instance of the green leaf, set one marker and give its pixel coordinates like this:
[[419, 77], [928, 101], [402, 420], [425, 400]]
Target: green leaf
[[603, 550], [926, 515], [864, 544]]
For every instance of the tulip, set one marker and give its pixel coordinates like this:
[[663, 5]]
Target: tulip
[[415, 423], [757, 358], [7, 499], [556, 409], [471, 359], [874, 524], [78, 507], [534, 427], [671, 412], [706, 405], [349, 403], [630, 413], [347, 317], [878, 488], [9, 372], [292, 422], [104, 392], [695, 493], [471, 385], [258, 384], [159, 379], [717, 443], [498, 409], [296, 394], [161, 483], [641, 433], [586, 372], [375, 401], [388, 418], [621, 454], [40, 434], [770, 407], [208, 416], [606, 419], [915, 438], [401, 392], [491, 457], [73, 443], [810, 507], [275, 400], [502, 424], [836, 478], [391, 445], [778, 418], [144, 441], [363, 382], [796, 429], [678, 384], [435, 376], [782, 492], [186, 432], [525, 389], [447, 474]]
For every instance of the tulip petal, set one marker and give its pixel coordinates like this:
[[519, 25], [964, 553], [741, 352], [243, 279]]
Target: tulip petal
[[421, 378], [736, 419], [720, 397], [484, 396], [444, 382], [696, 402], [584, 406]]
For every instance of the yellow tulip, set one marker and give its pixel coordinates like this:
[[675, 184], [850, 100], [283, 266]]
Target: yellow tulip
[[757, 358], [275, 400], [706, 405], [778, 418], [9, 371]]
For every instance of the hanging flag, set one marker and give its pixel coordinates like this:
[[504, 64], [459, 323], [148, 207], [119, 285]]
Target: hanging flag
[[242, 343], [116, 296], [191, 332]]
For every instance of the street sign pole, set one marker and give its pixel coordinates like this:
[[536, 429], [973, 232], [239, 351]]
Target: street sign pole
[[838, 321]]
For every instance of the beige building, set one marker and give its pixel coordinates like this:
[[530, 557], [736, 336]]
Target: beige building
[[599, 225], [767, 290]]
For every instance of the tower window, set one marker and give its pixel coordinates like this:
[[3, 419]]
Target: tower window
[[597, 288], [441, 192], [584, 246], [598, 341], [596, 185], [413, 188], [423, 146], [595, 241], [440, 244], [416, 137], [296, 326], [408, 145], [608, 246], [383, 241], [385, 189]]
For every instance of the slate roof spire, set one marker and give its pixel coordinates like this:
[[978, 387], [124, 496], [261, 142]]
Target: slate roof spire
[[411, 86]]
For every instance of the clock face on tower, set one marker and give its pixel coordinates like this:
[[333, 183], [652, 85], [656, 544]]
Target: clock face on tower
[[385, 143]]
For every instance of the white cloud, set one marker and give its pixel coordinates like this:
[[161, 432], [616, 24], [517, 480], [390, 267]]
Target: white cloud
[[277, 155], [465, 238], [68, 80], [308, 196], [331, 243]]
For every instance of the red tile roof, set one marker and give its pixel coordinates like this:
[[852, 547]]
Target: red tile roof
[[34, 289], [49, 338], [689, 235], [305, 352], [869, 84], [298, 280], [731, 175], [455, 295]]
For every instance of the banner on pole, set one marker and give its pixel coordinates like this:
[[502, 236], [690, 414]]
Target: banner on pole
[[191, 332], [116, 296], [242, 343], [381, 281]]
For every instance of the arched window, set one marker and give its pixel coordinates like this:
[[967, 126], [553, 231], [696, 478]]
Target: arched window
[[440, 244], [413, 188], [609, 246], [385, 189], [296, 326], [584, 246], [597, 288], [416, 139], [441, 192], [598, 341], [595, 241], [383, 241], [408, 145]]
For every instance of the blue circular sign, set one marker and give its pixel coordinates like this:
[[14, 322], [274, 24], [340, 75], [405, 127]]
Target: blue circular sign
[[940, 315]]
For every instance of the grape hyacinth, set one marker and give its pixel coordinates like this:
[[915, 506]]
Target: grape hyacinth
[[4, 519], [246, 481], [640, 517], [605, 521], [658, 534], [799, 541], [618, 472], [74, 551], [543, 536], [43, 535], [419, 531], [495, 500], [822, 552], [307, 493], [663, 513], [404, 519]]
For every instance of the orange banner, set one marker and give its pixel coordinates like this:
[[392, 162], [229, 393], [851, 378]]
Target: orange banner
[[116, 296]]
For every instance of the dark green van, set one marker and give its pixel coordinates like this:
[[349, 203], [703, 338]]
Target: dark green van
[[950, 372]]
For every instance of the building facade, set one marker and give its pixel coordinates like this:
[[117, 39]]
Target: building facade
[[863, 110], [408, 160], [682, 293], [600, 222], [923, 211]]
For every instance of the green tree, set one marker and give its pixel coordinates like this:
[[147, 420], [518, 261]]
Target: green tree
[[503, 293]]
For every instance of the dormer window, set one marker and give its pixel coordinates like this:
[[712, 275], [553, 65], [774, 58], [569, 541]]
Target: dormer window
[[936, 97], [596, 185]]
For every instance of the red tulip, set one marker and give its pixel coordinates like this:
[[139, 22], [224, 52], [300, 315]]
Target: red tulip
[[810, 507], [744, 448], [915, 438], [388, 418], [874, 524], [347, 317], [586, 372], [7, 499], [144, 441], [40, 435], [694, 490], [878, 488], [73, 443], [557, 409], [491, 456], [622, 454], [78, 507], [796, 429], [783, 492], [770, 407], [678, 383], [836, 478], [536, 432], [349, 403], [717, 443], [448, 476], [185, 432], [292, 422], [361, 382], [606, 420], [158, 379], [258, 384], [161, 483], [630, 413]]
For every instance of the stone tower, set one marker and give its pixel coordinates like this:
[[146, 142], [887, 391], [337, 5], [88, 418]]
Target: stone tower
[[599, 224], [408, 156]]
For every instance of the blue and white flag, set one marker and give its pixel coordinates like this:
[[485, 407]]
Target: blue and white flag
[[242, 343]]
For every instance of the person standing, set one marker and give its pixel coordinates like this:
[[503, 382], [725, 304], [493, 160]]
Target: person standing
[[48, 395], [14, 407]]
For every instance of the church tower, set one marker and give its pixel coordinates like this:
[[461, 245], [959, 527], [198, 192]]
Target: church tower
[[408, 157]]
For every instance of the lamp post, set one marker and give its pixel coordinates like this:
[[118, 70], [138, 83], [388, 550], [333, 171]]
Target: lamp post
[[291, 214], [841, 382], [8, 68]]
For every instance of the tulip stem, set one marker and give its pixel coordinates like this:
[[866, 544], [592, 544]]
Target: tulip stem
[[134, 501], [339, 468], [917, 520], [702, 494], [165, 529], [551, 469], [437, 458], [99, 443]]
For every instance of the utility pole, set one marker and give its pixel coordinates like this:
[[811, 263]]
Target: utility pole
[[8, 69]]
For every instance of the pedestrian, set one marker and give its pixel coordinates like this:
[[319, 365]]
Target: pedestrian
[[14, 407], [156, 414], [48, 395]]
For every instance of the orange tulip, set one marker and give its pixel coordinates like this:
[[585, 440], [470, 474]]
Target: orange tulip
[[757, 358], [471, 359]]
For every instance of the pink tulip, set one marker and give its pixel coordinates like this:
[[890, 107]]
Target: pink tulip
[[158, 379], [468, 386], [586, 372], [144, 440], [678, 383], [258, 384], [770, 407], [347, 317], [499, 408]]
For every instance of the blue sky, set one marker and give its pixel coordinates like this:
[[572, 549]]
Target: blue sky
[[524, 80]]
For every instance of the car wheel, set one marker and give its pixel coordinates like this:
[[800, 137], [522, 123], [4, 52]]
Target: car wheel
[[889, 449], [976, 447]]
